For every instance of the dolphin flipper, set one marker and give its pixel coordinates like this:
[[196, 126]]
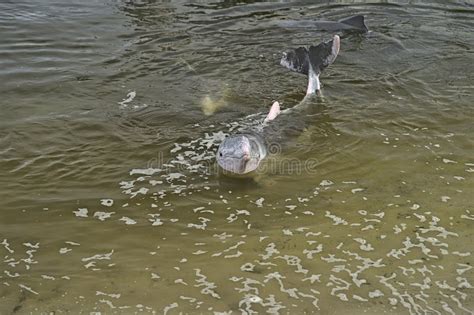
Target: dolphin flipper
[[274, 112], [356, 21]]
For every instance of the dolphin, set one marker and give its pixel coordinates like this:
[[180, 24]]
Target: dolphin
[[354, 23], [241, 153]]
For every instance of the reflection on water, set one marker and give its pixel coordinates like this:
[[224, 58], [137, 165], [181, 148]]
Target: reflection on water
[[112, 202]]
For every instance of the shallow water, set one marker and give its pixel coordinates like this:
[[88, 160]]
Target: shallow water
[[111, 201]]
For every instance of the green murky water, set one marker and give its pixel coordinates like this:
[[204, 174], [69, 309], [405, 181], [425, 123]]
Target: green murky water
[[111, 201]]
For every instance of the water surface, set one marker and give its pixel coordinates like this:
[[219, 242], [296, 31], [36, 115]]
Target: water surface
[[111, 200]]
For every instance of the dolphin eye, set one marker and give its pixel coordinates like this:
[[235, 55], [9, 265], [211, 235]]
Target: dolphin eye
[[220, 154]]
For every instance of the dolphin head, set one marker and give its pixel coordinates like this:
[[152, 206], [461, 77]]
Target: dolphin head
[[240, 154]]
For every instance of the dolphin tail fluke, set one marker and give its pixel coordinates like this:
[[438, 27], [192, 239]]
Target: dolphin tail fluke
[[357, 22], [312, 61]]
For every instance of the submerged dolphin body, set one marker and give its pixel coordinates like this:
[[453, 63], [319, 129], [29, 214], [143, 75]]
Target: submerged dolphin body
[[242, 153], [354, 23]]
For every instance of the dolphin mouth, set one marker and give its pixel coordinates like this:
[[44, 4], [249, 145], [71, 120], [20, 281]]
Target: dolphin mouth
[[243, 166]]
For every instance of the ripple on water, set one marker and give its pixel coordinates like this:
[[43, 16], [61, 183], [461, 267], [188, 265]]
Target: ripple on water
[[382, 223]]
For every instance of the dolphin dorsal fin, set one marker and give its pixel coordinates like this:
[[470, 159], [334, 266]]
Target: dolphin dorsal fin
[[356, 21], [274, 112]]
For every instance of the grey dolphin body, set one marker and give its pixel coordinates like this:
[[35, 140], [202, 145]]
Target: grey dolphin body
[[242, 153], [354, 23]]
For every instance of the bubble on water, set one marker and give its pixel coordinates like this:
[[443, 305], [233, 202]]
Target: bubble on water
[[11, 275], [294, 261], [337, 220], [173, 176], [106, 256], [106, 202], [102, 216], [130, 96], [326, 182], [6, 245], [291, 292], [202, 225], [270, 251], [359, 298], [155, 182], [81, 212], [445, 198], [223, 236], [170, 307], [447, 161], [255, 299], [26, 288], [141, 191], [421, 217], [112, 295], [398, 229], [313, 278], [128, 220], [64, 250], [375, 294], [468, 215], [259, 202], [155, 219], [364, 245], [287, 232], [207, 286], [248, 267]]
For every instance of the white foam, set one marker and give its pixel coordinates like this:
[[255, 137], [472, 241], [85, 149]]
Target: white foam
[[81, 212], [130, 96]]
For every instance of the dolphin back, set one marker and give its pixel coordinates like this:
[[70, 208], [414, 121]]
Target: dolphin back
[[356, 22], [312, 60], [353, 23]]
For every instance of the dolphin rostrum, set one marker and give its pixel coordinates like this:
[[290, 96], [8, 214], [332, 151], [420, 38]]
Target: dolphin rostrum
[[242, 153], [354, 23]]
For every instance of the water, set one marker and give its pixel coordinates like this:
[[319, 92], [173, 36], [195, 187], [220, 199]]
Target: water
[[111, 200]]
